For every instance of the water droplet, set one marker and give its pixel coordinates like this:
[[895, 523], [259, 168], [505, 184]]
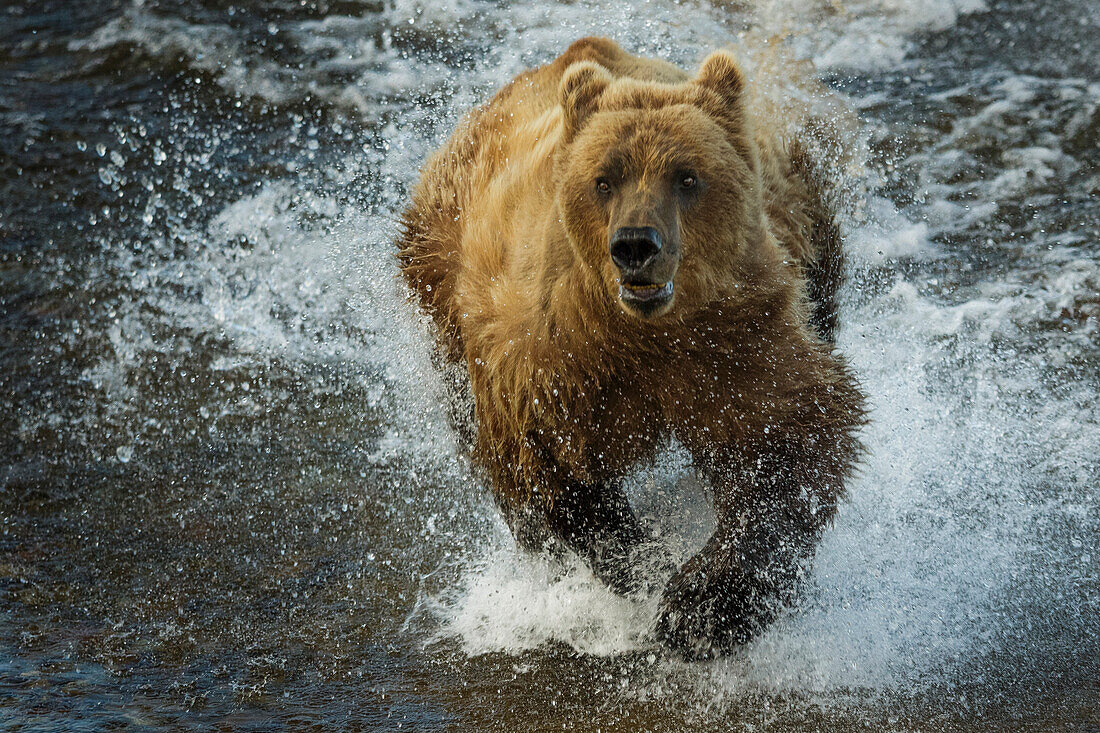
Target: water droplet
[[124, 453], [100, 149], [81, 145]]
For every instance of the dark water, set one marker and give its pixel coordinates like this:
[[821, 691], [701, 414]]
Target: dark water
[[228, 492]]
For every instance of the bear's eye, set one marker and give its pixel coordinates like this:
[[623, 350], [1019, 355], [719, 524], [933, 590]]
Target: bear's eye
[[603, 185], [687, 180]]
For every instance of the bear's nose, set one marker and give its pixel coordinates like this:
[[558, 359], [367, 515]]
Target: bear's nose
[[632, 248]]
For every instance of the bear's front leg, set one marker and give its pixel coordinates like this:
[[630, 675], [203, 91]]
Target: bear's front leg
[[596, 522], [737, 584]]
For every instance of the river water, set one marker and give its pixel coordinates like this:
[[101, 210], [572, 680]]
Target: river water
[[229, 494]]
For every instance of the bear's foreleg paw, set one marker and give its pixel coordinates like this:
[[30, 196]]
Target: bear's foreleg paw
[[713, 605]]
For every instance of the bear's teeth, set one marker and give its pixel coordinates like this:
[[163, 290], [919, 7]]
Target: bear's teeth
[[631, 291]]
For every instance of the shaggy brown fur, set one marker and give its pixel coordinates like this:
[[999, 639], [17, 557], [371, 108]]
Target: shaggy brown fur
[[506, 245]]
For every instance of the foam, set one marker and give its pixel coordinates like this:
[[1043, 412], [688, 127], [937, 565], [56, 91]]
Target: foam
[[864, 34]]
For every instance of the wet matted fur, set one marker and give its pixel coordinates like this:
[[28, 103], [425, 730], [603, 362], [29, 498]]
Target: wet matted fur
[[505, 244]]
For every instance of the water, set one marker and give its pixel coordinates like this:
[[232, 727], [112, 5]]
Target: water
[[228, 489]]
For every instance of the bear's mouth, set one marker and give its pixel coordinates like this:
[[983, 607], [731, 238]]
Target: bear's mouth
[[648, 294]]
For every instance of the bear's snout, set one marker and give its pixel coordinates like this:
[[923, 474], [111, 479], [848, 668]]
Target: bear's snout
[[647, 264], [633, 248]]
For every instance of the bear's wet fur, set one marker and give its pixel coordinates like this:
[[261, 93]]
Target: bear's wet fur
[[713, 323]]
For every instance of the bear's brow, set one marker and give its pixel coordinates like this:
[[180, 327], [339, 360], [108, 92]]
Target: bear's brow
[[647, 152], [678, 164], [650, 163], [615, 163]]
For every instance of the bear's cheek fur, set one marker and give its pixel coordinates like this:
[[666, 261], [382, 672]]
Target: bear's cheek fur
[[586, 223], [709, 246]]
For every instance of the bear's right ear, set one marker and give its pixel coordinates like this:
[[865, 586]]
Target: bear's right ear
[[580, 90]]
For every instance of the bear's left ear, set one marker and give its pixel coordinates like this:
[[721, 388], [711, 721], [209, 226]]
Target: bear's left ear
[[580, 90], [721, 75]]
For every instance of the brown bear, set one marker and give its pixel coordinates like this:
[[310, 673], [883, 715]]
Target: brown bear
[[618, 255]]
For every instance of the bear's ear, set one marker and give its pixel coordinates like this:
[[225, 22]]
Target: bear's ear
[[580, 90], [721, 75]]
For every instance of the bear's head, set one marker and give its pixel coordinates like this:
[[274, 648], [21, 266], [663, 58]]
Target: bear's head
[[657, 184]]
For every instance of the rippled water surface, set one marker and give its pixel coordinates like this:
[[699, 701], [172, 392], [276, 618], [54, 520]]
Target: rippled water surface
[[228, 489]]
